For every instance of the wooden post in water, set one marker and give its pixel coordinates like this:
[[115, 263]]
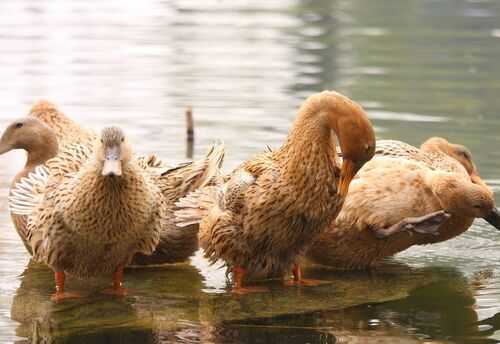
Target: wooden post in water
[[189, 132]]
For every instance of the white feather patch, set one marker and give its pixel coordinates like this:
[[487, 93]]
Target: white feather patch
[[26, 195]]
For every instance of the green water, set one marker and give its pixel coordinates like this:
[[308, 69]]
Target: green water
[[419, 67]]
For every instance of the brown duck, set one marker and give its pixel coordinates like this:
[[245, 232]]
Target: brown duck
[[405, 196], [269, 210], [89, 210]]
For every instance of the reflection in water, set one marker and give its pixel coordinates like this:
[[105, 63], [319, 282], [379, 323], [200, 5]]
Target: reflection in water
[[166, 305], [420, 68]]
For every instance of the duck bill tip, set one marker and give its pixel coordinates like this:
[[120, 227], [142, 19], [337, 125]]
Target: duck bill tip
[[112, 168], [493, 218], [347, 173]]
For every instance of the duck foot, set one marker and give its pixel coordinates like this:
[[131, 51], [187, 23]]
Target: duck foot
[[427, 224], [64, 295], [299, 281], [117, 289]]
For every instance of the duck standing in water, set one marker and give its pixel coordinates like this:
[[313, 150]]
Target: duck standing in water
[[47, 131], [405, 196], [92, 221], [269, 210]]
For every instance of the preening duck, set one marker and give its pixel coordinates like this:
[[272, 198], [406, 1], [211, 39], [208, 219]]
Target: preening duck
[[269, 210]]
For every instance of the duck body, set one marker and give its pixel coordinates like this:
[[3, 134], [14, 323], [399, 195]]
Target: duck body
[[262, 219], [401, 182], [257, 201], [87, 224]]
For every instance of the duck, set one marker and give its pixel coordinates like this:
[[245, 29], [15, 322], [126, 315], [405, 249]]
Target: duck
[[40, 143], [268, 210], [91, 222], [90, 210], [40, 134], [175, 181], [405, 196]]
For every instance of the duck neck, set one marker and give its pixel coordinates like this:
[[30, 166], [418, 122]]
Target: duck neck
[[38, 152], [309, 155], [42, 151]]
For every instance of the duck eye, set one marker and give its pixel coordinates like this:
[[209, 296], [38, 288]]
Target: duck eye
[[102, 141], [19, 125]]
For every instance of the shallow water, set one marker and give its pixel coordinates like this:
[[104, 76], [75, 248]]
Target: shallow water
[[420, 68]]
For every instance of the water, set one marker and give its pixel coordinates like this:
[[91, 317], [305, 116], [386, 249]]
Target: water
[[420, 68]]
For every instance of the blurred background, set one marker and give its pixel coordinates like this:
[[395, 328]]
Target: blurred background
[[419, 67]]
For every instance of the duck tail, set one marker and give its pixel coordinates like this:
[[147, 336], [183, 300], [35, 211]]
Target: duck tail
[[198, 204], [207, 171], [184, 178], [27, 192]]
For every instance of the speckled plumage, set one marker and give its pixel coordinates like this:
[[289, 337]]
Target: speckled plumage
[[271, 207], [178, 244], [86, 224], [400, 182]]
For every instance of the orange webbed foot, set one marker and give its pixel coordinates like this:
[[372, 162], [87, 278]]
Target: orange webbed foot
[[299, 281]]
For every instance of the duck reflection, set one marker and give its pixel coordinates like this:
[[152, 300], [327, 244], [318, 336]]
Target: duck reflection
[[395, 303], [159, 298]]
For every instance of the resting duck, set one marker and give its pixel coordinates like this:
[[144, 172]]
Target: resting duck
[[405, 196], [270, 208]]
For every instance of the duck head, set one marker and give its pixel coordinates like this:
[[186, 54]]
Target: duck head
[[456, 151], [113, 151], [355, 135], [32, 135], [464, 157]]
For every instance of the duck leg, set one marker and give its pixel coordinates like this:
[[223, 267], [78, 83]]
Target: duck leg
[[117, 288], [298, 280], [238, 276], [60, 294], [427, 224]]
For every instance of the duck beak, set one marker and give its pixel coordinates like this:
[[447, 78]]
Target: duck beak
[[112, 165], [347, 172], [493, 218]]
